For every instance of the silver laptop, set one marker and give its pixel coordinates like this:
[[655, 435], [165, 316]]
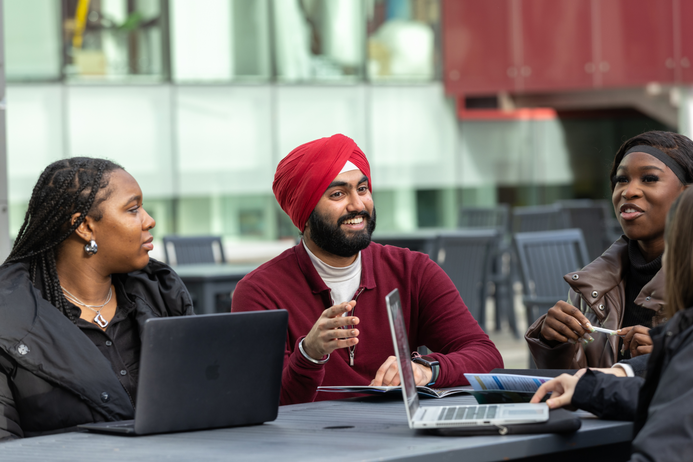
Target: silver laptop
[[449, 416], [207, 371]]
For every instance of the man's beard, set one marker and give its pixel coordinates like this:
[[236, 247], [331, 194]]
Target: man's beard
[[334, 240]]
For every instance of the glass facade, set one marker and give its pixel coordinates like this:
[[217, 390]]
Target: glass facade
[[199, 100], [112, 40]]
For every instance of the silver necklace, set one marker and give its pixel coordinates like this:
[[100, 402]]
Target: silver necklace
[[98, 319]]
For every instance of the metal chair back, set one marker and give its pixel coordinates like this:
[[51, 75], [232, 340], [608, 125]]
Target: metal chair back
[[591, 217], [539, 218], [485, 217], [502, 260], [193, 250], [545, 257], [465, 256]]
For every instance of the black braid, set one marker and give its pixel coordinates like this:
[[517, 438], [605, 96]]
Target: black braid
[[64, 188]]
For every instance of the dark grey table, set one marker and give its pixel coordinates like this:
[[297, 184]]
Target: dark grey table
[[346, 430], [205, 282]]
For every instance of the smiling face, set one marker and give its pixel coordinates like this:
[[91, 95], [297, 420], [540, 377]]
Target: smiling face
[[122, 233], [344, 219], [644, 189]]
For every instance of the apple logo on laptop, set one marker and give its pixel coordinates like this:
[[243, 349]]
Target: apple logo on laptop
[[212, 371]]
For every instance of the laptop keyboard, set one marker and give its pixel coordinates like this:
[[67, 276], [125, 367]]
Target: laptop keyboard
[[468, 413]]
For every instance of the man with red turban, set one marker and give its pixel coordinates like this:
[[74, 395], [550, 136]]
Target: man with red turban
[[334, 283]]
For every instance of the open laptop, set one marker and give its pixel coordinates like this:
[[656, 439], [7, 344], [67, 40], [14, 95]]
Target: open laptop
[[207, 371], [449, 416]]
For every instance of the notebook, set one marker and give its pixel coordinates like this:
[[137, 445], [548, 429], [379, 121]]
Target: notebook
[[207, 371], [449, 416]]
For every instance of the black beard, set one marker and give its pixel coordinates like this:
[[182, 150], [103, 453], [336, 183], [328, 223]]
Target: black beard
[[333, 240]]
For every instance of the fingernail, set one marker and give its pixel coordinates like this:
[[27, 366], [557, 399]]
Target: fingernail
[[623, 350], [585, 341], [571, 341], [353, 332], [589, 337], [549, 403]]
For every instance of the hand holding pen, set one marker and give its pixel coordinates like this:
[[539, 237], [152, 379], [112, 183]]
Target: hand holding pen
[[636, 339]]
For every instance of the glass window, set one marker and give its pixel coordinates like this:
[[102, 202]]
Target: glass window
[[219, 40], [114, 39], [318, 40], [403, 40], [32, 40]]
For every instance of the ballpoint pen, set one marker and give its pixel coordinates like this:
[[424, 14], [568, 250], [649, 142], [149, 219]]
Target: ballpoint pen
[[608, 331]]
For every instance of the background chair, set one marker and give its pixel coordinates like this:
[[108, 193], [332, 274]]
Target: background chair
[[501, 256], [420, 241], [591, 217], [207, 296], [464, 256], [545, 257], [193, 250], [539, 218], [485, 217]]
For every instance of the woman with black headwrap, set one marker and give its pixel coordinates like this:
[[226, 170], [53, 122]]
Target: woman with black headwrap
[[661, 406], [623, 288]]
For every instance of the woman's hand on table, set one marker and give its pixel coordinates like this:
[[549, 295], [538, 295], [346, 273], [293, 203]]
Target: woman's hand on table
[[562, 388]]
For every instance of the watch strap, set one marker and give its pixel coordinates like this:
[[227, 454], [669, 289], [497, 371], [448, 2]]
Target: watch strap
[[429, 362]]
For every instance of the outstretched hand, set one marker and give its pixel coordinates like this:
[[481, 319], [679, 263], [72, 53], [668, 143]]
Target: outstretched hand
[[329, 333], [562, 388]]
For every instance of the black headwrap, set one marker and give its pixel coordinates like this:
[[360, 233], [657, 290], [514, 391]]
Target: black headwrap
[[668, 161]]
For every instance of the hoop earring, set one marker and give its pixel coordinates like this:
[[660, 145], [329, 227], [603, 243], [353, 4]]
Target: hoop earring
[[91, 248]]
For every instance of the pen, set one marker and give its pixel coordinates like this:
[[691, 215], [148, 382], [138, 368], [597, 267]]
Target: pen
[[608, 331]]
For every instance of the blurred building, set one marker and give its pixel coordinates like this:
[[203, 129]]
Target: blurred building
[[455, 102]]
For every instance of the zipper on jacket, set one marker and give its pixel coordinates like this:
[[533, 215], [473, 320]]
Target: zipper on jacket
[[352, 349]]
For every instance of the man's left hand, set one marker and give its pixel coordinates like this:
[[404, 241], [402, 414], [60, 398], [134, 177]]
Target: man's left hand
[[388, 374]]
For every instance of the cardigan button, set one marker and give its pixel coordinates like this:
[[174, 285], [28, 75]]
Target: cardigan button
[[105, 397], [669, 333], [601, 307], [575, 277], [22, 349], [595, 294]]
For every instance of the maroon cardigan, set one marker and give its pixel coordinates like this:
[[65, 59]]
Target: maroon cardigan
[[434, 313]]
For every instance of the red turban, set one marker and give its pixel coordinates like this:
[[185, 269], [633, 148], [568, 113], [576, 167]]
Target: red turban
[[303, 176]]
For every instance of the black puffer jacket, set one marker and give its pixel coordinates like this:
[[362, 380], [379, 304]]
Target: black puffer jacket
[[661, 405], [52, 377]]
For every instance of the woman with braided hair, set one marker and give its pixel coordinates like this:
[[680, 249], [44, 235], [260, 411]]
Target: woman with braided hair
[[74, 294]]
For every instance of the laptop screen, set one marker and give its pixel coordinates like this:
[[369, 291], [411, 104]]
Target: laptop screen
[[399, 338]]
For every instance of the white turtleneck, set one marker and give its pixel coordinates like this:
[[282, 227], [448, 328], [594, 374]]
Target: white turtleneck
[[343, 282]]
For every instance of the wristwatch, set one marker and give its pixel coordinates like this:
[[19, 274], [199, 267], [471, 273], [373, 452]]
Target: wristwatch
[[428, 362]]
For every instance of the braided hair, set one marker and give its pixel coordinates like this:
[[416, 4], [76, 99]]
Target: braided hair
[[65, 187]]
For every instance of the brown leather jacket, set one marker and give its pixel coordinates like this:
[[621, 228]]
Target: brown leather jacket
[[599, 291]]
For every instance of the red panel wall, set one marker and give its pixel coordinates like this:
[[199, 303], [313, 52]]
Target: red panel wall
[[637, 42], [556, 45], [551, 45], [477, 46]]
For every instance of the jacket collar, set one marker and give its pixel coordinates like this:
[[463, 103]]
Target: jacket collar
[[601, 276], [47, 344], [316, 283]]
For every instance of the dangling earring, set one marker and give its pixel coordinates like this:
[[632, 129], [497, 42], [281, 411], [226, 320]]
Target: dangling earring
[[91, 248]]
